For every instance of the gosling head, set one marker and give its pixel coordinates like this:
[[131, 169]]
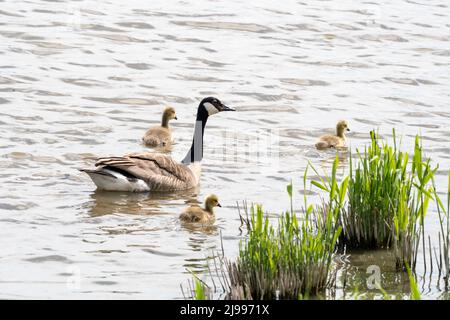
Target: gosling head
[[341, 128], [211, 201], [169, 114], [210, 106]]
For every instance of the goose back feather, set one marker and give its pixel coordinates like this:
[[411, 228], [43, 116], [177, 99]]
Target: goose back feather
[[160, 172]]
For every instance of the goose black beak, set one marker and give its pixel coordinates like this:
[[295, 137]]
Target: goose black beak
[[225, 108], [219, 205]]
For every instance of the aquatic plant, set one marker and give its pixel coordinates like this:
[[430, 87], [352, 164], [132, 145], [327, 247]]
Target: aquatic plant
[[292, 260], [415, 293], [388, 197], [287, 262], [197, 289], [443, 259]]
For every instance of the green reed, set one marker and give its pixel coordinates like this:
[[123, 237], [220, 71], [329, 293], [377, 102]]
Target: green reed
[[415, 292], [199, 290], [292, 260], [443, 259], [388, 197]]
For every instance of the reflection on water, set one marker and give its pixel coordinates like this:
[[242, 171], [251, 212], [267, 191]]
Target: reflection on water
[[109, 202], [85, 79]]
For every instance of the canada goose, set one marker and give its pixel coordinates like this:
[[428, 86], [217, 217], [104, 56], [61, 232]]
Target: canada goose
[[160, 136], [144, 171], [201, 215], [334, 141]]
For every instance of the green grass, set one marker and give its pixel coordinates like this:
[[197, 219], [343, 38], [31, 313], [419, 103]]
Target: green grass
[[388, 196], [415, 293], [199, 290], [292, 260], [443, 260]]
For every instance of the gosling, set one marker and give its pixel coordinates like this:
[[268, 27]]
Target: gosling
[[160, 136], [334, 141], [204, 215]]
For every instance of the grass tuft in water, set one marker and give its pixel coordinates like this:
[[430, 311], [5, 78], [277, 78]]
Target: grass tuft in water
[[388, 196], [199, 290], [415, 292], [292, 260], [443, 259]]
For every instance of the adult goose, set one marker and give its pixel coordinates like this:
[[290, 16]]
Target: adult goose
[[143, 171], [198, 214], [160, 136], [334, 141]]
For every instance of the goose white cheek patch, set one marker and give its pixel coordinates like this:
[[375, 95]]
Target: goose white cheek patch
[[210, 108]]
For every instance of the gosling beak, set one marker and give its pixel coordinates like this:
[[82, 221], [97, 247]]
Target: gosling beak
[[348, 129], [219, 205], [223, 107], [175, 118]]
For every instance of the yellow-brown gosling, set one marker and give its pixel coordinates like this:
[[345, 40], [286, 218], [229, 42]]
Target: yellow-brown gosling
[[160, 136], [334, 141], [198, 214]]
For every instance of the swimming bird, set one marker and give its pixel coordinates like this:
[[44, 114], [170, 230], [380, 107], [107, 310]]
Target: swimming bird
[[201, 215], [334, 141], [145, 171], [160, 136]]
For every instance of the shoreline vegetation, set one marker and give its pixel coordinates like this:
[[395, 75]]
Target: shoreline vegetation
[[380, 205]]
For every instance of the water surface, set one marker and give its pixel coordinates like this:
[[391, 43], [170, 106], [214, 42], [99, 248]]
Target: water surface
[[86, 78]]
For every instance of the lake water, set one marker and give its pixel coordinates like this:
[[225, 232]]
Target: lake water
[[86, 78]]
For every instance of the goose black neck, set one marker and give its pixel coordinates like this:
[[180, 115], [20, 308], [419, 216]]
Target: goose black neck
[[195, 153]]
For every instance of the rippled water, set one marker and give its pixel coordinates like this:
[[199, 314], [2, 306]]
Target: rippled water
[[87, 78]]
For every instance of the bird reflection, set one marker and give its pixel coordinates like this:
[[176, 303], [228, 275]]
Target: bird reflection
[[208, 229], [342, 153], [112, 202]]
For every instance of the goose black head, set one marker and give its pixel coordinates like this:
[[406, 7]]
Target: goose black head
[[213, 105], [207, 107]]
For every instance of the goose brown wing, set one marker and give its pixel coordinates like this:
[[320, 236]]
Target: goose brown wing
[[159, 171]]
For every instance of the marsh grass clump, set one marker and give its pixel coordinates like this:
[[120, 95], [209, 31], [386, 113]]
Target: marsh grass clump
[[443, 259], [292, 260], [287, 262], [388, 197], [196, 290]]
